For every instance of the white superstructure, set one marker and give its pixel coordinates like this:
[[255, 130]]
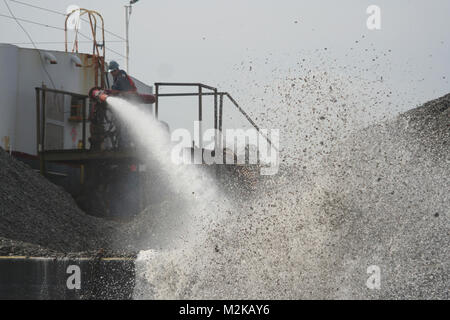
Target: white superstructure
[[24, 69]]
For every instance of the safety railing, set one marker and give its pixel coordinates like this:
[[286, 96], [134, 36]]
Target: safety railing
[[80, 118], [218, 106]]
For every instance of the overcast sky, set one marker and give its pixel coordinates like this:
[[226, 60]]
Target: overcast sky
[[235, 43]]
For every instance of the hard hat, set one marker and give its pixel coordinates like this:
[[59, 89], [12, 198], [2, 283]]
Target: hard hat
[[113, 66]]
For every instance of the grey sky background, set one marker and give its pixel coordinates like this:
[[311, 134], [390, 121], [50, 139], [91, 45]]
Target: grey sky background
[[234, 44]]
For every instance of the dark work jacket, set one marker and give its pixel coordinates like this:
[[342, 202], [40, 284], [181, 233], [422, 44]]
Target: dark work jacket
[[123, 82]]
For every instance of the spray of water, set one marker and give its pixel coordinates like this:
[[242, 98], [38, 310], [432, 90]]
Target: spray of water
[[152, 136], [226, 250], [312, 230], [174, 229], [192, 190]]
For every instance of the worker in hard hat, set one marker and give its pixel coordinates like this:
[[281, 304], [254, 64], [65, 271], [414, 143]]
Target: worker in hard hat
[[124, 86], [122, 82]]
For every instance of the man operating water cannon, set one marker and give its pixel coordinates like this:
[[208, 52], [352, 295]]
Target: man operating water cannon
[[107, 132], [123, 86], [122, 82]]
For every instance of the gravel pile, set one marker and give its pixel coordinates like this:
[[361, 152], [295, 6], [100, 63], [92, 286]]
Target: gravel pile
[[378, 198], [389, 185], [10, 247], [37, 216]]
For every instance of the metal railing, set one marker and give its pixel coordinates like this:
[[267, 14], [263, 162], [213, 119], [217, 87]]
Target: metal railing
[[202, 90], [218, 106]]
